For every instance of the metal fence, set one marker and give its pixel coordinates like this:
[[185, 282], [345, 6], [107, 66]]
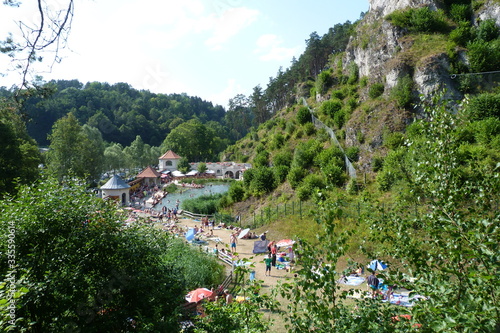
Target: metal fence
[[319, 124]]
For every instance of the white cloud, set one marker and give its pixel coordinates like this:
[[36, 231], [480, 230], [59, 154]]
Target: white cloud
[[229, 24], [269, 47], [222, 98]]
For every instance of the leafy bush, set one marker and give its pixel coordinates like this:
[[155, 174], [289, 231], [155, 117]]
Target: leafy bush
[[484, 106], [385, 180], [236, 192], [353, 73], [309, 129], [394, 140], [284, 157], [262, 159], [461, 12], [483, 56], [305, 152], [280, 173], [205, 204], [376, 90], [488, 30], [260, 148], [419, 20], [290, 127], [263, 181], [277, 141], [338, 94], [328, 108], [402, 92], [324, 81], [377, 163], [329, 156], [303, 115], [352, 153], [334, 174], [304, 192], [295, 176], [486, 130], [339, 118], [463, 34]]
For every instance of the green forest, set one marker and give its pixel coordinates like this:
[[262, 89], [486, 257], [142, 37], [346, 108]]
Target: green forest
[[422, 195]]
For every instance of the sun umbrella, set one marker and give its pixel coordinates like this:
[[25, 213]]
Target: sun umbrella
[[285, 243], [197, 295], [377, 265], [243, 233]]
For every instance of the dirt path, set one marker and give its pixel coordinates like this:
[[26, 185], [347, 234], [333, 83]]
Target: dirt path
[[244, 249]]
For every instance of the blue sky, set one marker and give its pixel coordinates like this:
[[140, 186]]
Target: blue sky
[[213, 49]]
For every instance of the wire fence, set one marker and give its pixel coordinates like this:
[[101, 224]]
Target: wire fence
[[351, 171]]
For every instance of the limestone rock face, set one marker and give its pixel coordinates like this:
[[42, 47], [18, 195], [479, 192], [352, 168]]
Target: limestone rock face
[[384, 7]]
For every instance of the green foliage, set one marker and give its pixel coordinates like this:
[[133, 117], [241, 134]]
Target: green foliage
[[488, 30], [385, 180], [338, 94], [463, 34], [377, 163], [353, 73], [420, 19], [394, 140], [330, 107], [323, 81], [295, 176], [339, 118], [376, 90], [236, 192], [305, 152], [484, 106], [352, 153], [402, 91], [311, 183], [202, 167], [277, 141], [283, 157], [82, 269], [262, 159], [309, 129], [303, 115], [280, 173], [262, 181], [461, 12], [485, 130], [205, 204], [482, 55], [184, 166]]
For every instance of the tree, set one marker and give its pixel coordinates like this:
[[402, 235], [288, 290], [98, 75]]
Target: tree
[[191, 140], [202, 167], [83, 270], [447, 253], [259, 105], [47, 34]]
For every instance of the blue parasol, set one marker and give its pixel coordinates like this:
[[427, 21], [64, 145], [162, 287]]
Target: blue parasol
[[377, 265]]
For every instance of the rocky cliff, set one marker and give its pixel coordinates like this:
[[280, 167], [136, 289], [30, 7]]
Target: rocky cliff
[[385, 54]]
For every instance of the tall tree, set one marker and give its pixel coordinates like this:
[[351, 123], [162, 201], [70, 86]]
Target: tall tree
[[191, 140], [259, 105]]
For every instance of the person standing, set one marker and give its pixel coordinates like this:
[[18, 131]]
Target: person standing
[[274, 252], [233, 240], [268, 260], [373, 283]]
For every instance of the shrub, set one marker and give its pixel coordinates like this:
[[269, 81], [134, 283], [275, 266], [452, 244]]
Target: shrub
[[304, 192], [486, 130], [236, 192], [334, 174], [376, 90], [309, 129], [262, 159], [324, 81], [328, 108], [352, 153], [303, 115], [484, 106], [402, 92], [339, 118], [483, 56], [280, 173], [385, 180], [394, 140], [263, 181], [338, 94], [277, 141], [260, 148], [460, 12], [290, 127], [488, 30], [353, 73], [377, 163], [419, 20], [462, 34], [295, 176], [283, 158], [314, 181]]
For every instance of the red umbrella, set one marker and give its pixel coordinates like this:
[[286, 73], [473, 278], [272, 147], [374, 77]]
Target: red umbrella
[[197, 295], [285, 243]]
